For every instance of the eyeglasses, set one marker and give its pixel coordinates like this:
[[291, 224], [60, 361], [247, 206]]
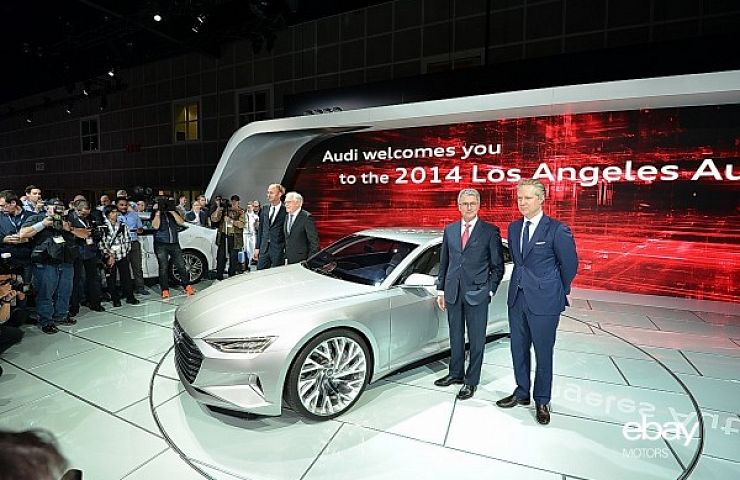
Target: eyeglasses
[[468, 204]]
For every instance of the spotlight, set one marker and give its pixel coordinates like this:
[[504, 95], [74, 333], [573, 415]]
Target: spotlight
[[68, 109], [86, 89], [199, 21], [157, 17], [103, 103], [111, 72], [29, 118]]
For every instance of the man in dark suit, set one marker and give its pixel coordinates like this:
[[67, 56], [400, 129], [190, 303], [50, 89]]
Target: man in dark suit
[[301, 238], [271, 230], [545, 263], [471, 265]]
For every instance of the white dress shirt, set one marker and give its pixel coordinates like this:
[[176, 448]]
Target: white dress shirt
[[470, 230], [534, 221]]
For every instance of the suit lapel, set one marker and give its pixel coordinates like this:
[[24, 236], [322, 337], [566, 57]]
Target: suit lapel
[[456, 239], [538, 233], [474, 234], [515, 244]]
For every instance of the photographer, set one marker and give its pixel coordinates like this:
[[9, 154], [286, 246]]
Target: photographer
[[33, 202], [87, 231], [165, 221], [229, 220], [116, 245], [11, 297], [53, 257], [10, 227]]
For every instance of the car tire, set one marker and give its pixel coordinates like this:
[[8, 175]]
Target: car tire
[[194, 261], [329, 374]]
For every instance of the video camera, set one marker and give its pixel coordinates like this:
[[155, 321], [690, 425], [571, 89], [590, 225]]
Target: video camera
[[165, 204]]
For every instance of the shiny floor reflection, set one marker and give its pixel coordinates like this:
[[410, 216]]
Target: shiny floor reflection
[[615, 363]]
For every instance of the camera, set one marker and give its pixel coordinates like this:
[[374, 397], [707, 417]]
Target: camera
[[19, 286], [58, 217], [165, 204]]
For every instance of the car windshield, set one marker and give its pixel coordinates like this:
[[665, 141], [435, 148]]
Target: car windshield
[[360, 258]]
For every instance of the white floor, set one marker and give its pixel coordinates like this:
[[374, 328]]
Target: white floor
[[108, 390]]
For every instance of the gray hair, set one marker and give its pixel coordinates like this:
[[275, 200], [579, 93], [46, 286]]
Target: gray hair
[[539, 187], [296, 196], [468, 192], [81, 204]]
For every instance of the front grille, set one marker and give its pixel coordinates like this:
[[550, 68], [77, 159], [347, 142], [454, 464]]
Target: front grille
[[187, 356]]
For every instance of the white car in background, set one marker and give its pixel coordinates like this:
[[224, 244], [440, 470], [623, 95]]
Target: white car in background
[[198, 250]]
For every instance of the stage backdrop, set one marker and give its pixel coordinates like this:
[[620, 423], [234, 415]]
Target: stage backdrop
[[651, 195]]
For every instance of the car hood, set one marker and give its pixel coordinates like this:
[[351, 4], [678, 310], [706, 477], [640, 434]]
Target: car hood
[[256, 294]]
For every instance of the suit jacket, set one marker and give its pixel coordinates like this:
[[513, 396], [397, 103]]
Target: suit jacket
[[202, 218], [271, 235], [545, 270], [303, 240], [475, 271]]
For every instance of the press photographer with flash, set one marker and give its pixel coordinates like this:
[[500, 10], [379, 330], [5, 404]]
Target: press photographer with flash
[[116, 246], [53, 257], [87, 229], [165, 222]]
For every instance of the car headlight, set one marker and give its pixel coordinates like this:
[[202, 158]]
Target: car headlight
[[242, 345]]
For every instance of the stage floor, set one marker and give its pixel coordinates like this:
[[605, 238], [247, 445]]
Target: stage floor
[[108, 390]]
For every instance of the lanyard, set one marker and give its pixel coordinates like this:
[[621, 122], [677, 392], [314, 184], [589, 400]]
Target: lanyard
[[16, 223]]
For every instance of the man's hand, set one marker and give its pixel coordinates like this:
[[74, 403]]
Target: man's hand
[[256, 254], [110, 261], [13, 238], [48, 221], [441, 301]]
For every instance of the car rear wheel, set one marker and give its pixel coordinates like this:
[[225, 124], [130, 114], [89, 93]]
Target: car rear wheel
[[329, 375], [195, 264]]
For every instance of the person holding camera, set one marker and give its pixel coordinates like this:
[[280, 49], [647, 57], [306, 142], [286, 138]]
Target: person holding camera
[[165, 222], [116, 246], [87, 229], [33, 202], [10, 227], [53, 258], [229, 220]]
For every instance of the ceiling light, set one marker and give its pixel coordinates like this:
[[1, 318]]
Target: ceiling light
[[157, 17], [29, 119], [111, 72], [103, 103], [68, 109]]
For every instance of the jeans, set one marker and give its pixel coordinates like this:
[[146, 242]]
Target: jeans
[[134, 257], [226, 244], [90, 286], [53, 285], [166, 252], [121, 267]]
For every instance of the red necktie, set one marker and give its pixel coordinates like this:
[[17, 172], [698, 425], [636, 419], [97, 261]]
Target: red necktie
[[465, 235]]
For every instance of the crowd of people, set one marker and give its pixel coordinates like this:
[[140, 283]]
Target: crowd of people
[[57, 257]]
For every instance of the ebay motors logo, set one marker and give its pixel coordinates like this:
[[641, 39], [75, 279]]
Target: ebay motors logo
[[650, 430]]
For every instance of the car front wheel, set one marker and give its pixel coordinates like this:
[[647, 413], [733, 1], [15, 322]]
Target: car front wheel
[[329, 375]]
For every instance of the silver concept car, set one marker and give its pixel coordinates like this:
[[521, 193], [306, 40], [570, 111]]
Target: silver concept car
[[314, 334]]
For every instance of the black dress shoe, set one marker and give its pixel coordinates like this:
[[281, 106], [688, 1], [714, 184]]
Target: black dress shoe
[[73, 313], [50, 329], [466, 392], [132, 301], [116, 303], [97, 308], [68, 320], [543, 414], [512, 401], [447, 380]]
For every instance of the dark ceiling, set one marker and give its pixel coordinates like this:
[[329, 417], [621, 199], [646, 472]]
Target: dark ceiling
[[48, 44]]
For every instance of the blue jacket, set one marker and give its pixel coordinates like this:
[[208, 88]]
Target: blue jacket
[[546, 269], [11, 225], [477, 270]]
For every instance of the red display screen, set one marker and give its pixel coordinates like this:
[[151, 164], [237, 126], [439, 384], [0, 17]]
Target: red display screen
[[651, 196]]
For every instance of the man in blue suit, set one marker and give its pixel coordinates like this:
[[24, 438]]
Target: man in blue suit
[[270, 243], [545, 262], [471, 265]]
